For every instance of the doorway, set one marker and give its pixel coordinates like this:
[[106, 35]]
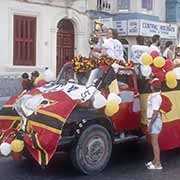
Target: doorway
[[65, 43]]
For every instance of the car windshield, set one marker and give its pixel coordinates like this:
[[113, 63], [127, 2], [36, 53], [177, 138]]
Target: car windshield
[[67, 74]]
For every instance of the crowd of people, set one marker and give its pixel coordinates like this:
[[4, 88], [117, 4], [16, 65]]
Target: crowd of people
[[112, 47]]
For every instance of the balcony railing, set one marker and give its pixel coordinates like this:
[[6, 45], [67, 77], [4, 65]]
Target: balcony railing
[[103, 5]]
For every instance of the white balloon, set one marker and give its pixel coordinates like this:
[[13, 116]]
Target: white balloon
[[99, 101], [48, 75], [146, 70], [114, 97], [177, 72], [5, 149]]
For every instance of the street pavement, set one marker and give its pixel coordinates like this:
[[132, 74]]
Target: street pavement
[[127, 163]]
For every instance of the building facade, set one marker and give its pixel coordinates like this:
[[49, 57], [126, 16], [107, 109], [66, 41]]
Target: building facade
[[40, 33], [141, 17]]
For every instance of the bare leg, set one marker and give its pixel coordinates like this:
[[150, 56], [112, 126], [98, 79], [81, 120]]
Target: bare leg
[[156, 149]]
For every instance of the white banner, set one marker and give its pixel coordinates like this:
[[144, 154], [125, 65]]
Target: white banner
[[74, 91], [165, 30], [107, 22], [133, 27], [121, 27]]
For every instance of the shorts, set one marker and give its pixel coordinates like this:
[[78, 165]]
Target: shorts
[[156, 127]]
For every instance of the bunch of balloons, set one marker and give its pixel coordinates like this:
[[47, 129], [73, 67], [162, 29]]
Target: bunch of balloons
[[16, 146], [163, 69], [110, 105]]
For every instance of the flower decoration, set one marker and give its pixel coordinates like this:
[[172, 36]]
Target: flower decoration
[[83, 64]]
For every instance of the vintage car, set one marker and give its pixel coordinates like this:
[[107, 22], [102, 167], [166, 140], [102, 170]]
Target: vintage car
[[68, 115], [89, 134]]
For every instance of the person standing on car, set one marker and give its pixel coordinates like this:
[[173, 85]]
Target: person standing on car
[[96, 42], [136, 52], [155, 44], [112, 47], [168, 52], [138, 49], [154, 121]]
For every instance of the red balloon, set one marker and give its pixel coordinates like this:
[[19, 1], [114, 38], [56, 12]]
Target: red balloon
[[154, 54], [168, 65], [159, 73]]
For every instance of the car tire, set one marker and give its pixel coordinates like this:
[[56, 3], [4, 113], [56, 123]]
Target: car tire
[[93, 150]]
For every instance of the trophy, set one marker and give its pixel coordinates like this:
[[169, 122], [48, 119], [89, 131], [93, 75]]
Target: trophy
[[93, 40]]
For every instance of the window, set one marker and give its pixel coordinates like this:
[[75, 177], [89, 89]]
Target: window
[[24, 40], [147, 4], [123, 4], [103, 5]]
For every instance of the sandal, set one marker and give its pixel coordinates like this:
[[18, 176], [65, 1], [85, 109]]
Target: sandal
[[153, 167], [148, 163]]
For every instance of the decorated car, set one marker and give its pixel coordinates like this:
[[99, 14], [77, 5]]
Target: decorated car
[[94, 104]]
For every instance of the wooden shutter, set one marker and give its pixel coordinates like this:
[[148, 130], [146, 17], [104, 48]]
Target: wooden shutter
[[24, 40]]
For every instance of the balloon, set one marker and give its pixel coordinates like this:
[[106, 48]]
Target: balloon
[[17, 145], [48, 75], [114, 97], [146, 70], [146, 59], [170, 76], [111, 108], [99, 101], [177, 72], [159, 73], [5, 149], [168, 65], [159, 62], [154, 54], [109, 114], [171, 84]]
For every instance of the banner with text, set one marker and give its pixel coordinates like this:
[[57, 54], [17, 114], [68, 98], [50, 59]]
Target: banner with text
[[165, 30]]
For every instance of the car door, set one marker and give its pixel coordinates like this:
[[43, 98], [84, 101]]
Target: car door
[[128, 116]]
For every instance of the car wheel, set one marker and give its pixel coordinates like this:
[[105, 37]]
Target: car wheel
[[93, 150]]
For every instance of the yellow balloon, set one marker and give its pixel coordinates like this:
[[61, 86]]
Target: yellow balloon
[[108, 113], [171, 84], [111, 108], [159, 62], [17, 145], [146, 59], [170, 76]]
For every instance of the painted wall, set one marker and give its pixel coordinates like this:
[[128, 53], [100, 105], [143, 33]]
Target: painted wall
[[48, 17]]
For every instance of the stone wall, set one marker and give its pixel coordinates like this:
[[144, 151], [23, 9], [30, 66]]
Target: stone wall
[[10, 85]]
